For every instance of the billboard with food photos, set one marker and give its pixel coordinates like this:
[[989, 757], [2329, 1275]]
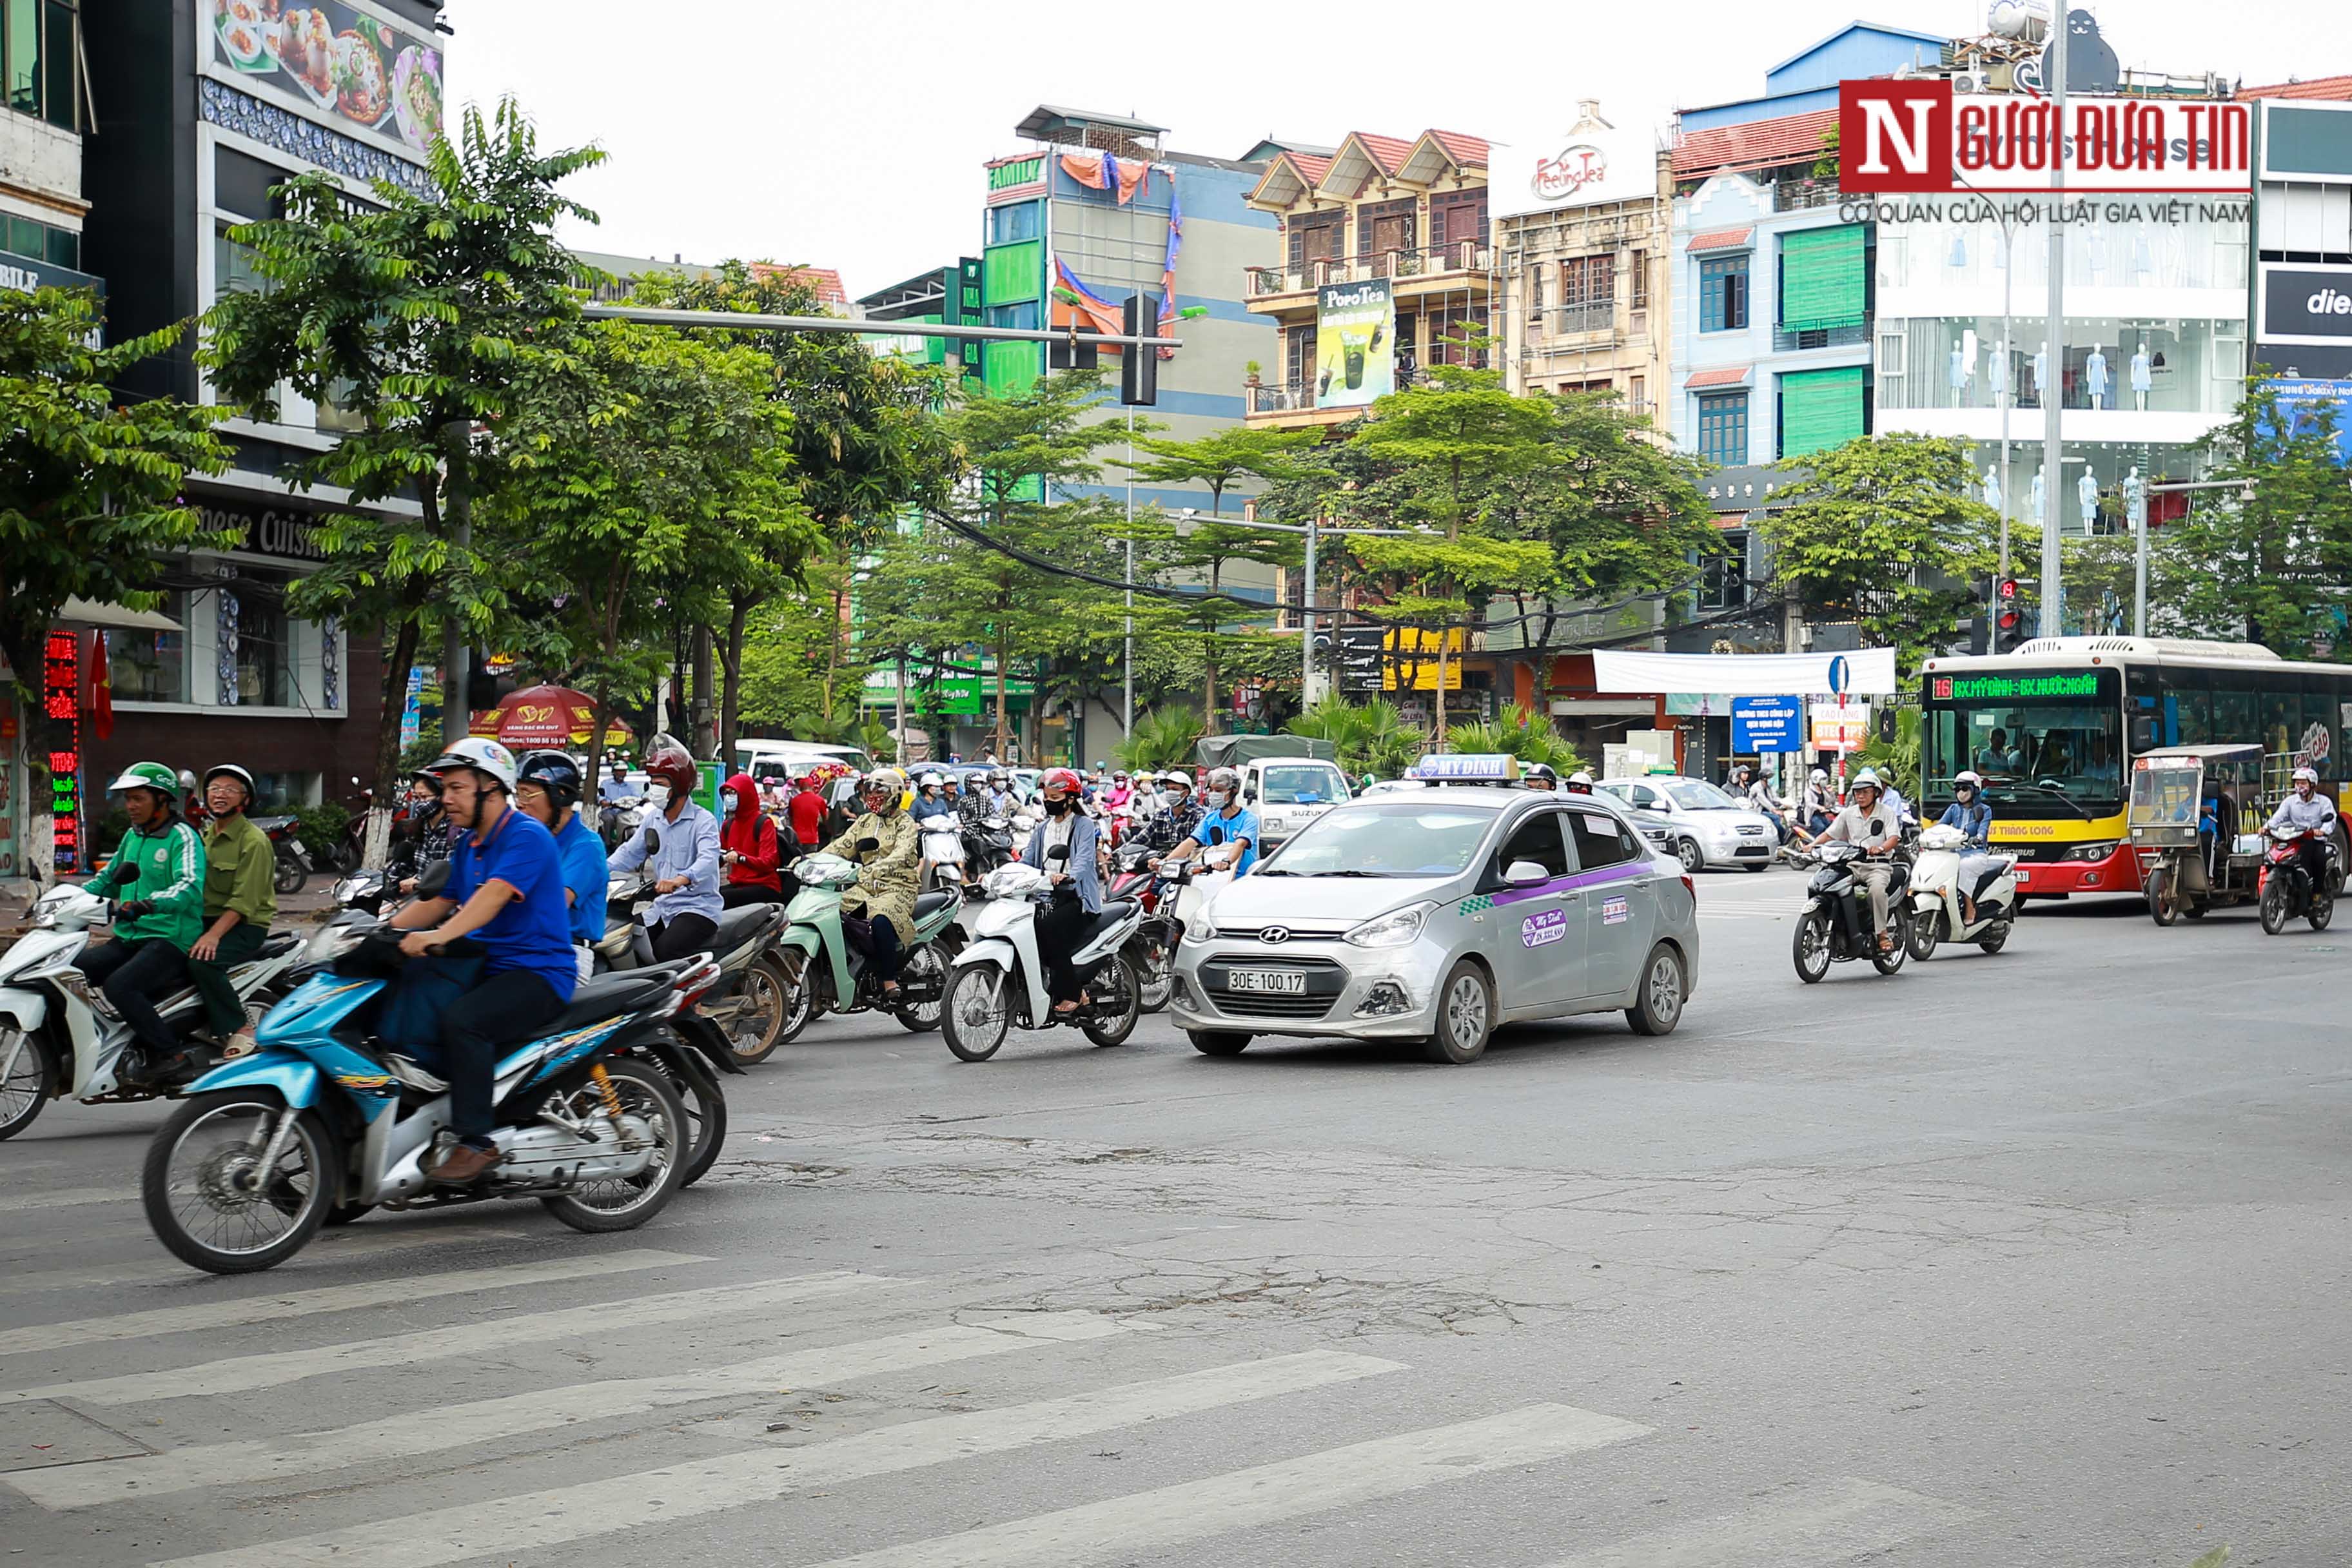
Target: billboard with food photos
[[351, 66], [1355, 343]]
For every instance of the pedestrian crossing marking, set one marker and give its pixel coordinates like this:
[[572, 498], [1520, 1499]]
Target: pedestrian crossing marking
[[1124, 1528], [336, 1248], [535, 1521], [1829, 1522], [442, 1428], [238, 1374], [69, 1197], [246, 1309]]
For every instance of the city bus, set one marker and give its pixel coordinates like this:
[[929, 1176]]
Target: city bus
[[2053, 729]]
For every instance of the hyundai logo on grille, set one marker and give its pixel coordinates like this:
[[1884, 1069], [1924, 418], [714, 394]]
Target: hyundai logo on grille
[[1275, 934]]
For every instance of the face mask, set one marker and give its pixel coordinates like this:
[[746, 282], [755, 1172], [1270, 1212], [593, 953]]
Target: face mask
[[1058, 808], [1217, 799], [658, 795]]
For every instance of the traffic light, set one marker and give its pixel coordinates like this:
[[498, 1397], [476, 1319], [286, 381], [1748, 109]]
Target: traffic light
[[2009, 618], [1139, 368], [1068, 353], [486, 688]]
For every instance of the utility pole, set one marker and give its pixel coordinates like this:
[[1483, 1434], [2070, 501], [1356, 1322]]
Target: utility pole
[[1127, 709], [2005, 390], [2053, 394], [457, 505], [1307, 621]]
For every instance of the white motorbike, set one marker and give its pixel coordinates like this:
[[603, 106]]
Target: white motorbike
[[1935, 912], [999, 981], [59, 1036], [942, 854]]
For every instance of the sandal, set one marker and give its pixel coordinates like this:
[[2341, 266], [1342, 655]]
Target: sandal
[[241, 1044]]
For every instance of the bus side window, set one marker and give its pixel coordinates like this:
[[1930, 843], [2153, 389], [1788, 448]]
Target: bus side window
[[2234, 719], [2188, 707]]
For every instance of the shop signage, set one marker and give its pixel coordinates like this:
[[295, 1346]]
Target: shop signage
[[1839, 726], [2303, 304], [61, 706], [337, 61], [284, 532], [1556, 179], [1912, 137], [2300, 399], [1767, 724], [22, 275], [1355, 343]]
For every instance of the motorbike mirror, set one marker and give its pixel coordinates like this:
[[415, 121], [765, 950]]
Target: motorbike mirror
[[435, 877], [867, 845], [1525, 873], [653, 842], [1058, 852]]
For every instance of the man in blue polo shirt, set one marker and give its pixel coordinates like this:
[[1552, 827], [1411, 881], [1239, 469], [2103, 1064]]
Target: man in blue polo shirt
[[1227, 835], [505, 891]]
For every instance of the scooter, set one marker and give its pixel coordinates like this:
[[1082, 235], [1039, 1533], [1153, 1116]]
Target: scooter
[[1159, 892], [325, 1122], [1936, 913], [942, 854], [823, 972], [294, 865], [61, 1038], [1835, 926], [987, 843], [999, 982], [2286, 888], [746, 1004]]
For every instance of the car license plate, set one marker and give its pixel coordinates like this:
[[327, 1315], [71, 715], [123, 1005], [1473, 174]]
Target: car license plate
[[1292, 982]]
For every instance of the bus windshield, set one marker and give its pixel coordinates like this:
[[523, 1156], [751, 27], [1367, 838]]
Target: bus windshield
[[2030, 735]]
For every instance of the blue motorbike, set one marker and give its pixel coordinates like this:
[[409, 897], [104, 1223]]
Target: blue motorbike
[[325, 1122]]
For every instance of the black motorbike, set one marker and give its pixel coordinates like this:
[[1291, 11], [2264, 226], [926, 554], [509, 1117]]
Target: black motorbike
[[987, 843], [1835, 927]]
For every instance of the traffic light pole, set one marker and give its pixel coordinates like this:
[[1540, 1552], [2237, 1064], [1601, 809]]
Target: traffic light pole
[[2054, 392]]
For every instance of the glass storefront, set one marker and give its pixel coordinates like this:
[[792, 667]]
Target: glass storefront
[[2197, 253], [2110, 465], [2148, 364]]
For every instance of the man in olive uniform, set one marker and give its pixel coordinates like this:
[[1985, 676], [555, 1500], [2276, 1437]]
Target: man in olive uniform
[[240, 901]]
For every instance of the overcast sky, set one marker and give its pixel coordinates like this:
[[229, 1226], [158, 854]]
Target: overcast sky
[[850, 133]]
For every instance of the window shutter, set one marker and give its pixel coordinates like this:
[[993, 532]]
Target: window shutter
[[1820, 278], [1819, 409]]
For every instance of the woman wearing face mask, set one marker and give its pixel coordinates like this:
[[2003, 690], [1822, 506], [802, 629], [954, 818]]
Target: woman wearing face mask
[[1063, 847], [750, 847]]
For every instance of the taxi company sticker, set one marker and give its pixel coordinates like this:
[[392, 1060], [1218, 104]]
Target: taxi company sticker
[[1537, 929], [1614, 911]]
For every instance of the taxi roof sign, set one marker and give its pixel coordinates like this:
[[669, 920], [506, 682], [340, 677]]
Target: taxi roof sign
[[1466, 767]]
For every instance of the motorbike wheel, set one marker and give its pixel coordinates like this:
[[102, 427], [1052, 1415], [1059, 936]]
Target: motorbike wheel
[[291, 874], [922, 1018], [209, 1203], [2163, 908], [1158, 974], [1922, 931], [31, 1076], [2273, 906], [1119, 1011], [977, 1012], [1996, 935], [1810, 947], [705, 1104], [625, 1203], [2321, 909], [1888, 963], [772, 1010]]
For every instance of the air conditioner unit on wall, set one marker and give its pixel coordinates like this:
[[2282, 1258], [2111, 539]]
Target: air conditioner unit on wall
[[1971, 81]]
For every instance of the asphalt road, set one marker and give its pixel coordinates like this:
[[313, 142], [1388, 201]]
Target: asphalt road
[[2034, 1258]]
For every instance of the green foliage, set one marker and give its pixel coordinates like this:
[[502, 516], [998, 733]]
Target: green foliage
[[786, 654], [90, 492], [2213, 1558], [1164, 739], [1372, 737], [1522, 733], [321, 827], [1883, 531], [1898, 762]]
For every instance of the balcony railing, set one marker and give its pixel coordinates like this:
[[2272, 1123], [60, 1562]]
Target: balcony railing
[[1567, 320], [1828, 332], [1460, 256], [1288, 399], [1796, 196]]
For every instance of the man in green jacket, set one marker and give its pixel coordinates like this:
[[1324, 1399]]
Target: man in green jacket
[[157, 875], [240, 901]]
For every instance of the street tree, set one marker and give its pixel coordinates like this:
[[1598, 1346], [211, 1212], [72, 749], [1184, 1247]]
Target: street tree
[[90, 498], [419, 316], [1883, 532]]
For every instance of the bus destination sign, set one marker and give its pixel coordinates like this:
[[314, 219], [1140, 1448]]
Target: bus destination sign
[[2009, 688]]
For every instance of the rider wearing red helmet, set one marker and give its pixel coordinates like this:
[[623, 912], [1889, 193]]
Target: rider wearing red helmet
[[682, 840], [1076, 877]]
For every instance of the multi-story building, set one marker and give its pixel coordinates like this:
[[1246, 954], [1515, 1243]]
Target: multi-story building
[[1581, 227], [2303, 233], [203, 119], [1385, 265], [44, 113]]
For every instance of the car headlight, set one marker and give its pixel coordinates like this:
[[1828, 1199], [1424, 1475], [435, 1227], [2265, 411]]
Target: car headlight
[[1200, 928], [1394, 928], [2099, 849]]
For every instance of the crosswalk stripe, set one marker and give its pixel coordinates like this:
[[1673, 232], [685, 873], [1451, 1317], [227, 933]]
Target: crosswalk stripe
[[249, 1310], [17, 1279], [69, 1197], [240, 1374], [535, 1521], [1128, 1527], [384, 1439], [1829, 1523]]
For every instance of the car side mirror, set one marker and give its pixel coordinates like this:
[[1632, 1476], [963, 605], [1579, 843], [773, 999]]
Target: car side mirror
[[434, 877], [1526, 873]]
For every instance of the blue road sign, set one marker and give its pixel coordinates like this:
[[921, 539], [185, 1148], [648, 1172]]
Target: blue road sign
[[1840, 676], [1769, 723]]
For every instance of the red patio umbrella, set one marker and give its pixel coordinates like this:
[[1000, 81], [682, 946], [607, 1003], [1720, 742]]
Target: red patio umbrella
[[545, 716]]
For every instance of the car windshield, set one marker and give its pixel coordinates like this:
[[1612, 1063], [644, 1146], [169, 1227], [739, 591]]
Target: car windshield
[[1697, 794], [1391, 837], [1300, 785]]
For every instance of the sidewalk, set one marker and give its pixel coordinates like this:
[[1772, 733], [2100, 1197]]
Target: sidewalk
[[296, 911]]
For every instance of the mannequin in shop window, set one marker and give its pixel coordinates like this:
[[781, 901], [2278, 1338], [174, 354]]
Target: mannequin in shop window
[[1992, 487], [2136, 502], [2086, 495], [1998, 375], [2042, 495], [2140, 378], [2041, 371], [2094, 376]]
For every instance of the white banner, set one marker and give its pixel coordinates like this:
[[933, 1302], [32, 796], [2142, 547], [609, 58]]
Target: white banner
[[1866, 672]]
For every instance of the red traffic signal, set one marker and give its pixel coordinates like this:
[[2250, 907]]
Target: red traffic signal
[[2007, 588]]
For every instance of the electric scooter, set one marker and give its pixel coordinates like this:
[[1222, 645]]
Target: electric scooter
[[999, 982], [1936, 913]]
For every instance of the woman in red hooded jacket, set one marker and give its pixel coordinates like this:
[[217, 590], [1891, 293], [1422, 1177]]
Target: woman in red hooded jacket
[[749, 849]]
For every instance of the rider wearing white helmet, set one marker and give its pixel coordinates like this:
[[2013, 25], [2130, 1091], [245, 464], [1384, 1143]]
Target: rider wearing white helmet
[[505, 891], [2308, 812], [1868, 821]]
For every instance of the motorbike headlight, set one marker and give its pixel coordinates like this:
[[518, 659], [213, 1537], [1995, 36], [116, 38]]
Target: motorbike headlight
[[1394, 928]]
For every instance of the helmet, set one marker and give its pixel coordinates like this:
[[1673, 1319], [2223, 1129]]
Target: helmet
[[889, 781], [148, 775], [932, 781], [1065, 780], [2306, 776], [252, 791], [1580, 777], [1224, 779], [996, 775], [1966, 777], [553, 772], [669, 762], [484, 756], [188, 782], [1177, 780], [1119, 777], [1867, 779], [1820, 775]]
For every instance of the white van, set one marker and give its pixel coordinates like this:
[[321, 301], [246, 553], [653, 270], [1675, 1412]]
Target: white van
[[788, 760], [1288, 792]]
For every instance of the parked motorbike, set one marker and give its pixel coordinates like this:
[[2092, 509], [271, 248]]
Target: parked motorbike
[[825, 972], [1835, 927], [59, 1036], [325, 1122], [293, 858], [1936, 913], [746, 1004], [999, 981], [2287, 886]]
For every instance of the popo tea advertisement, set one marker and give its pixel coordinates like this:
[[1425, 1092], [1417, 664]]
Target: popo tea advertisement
[[1355, 340], [353, 66]]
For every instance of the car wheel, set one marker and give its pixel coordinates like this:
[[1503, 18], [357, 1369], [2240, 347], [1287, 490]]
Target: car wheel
[[1218, 1042], [1693, 857], [1465, 1015], [1658, 1005]]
